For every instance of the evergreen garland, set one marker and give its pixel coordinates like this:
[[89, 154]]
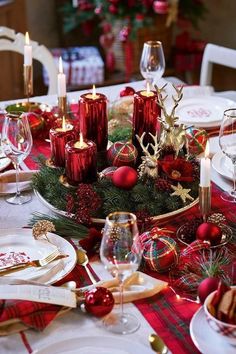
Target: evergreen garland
[[143, 197]]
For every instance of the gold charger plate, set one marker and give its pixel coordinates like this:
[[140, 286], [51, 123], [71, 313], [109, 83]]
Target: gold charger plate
[[161, 217]]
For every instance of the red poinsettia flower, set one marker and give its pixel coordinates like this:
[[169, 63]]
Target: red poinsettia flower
[[177, 169]]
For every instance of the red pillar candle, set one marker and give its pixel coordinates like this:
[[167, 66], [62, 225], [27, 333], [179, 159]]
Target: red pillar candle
[[81, 161], [93, 118], [58, 139], [145, 116]]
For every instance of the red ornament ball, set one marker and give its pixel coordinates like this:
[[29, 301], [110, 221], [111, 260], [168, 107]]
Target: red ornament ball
[[206, 287], [36, 123], [99, 302], [125, 177], [122, 154], [127, 91], [209, 231], [159, 252]]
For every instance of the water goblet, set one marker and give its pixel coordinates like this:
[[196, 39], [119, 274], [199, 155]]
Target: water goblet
[[16, 144], [152, 63], [227, 142], [121, 254]]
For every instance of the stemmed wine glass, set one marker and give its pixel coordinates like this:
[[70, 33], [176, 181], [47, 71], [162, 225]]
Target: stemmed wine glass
[[121, 255], [227, 142], [16, 144], [152, 63]]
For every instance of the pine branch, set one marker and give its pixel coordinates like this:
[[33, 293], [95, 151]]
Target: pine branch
[[65, 227]]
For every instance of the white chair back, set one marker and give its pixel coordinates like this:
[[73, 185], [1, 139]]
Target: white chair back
[[215, 54], [11, 41]]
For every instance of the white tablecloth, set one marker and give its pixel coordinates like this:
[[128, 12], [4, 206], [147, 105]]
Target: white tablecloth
[[74, 324]]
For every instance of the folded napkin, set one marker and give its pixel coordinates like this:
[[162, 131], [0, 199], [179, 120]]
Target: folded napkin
[[8, 181], [138, 286], [18, 315]]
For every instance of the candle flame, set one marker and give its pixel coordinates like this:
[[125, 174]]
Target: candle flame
[[94, 92], [207, 150], [63, 124], [27, 40], [60, 66]]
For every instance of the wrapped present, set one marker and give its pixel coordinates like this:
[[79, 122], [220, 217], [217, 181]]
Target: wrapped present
[[81, 65]]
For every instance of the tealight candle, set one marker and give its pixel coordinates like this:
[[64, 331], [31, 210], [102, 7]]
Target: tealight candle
[[205, 169], [27, 51], [81, 161], [145, 116], [58, 139], [93, 118]]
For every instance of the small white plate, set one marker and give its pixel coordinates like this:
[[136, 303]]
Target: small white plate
[[95, 345], [203, 112], [21, 240], [223, 165], [205, 339]]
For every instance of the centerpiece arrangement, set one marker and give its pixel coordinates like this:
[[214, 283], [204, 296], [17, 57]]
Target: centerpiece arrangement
[[152, 173]]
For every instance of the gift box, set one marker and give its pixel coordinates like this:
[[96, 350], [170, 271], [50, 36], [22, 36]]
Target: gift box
[[81, 65]]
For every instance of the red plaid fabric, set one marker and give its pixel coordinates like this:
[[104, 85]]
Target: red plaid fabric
[[169, 316], [39, 315]]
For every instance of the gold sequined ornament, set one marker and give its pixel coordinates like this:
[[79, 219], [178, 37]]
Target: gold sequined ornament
[[181, 192], [41, 228], [217, 218]]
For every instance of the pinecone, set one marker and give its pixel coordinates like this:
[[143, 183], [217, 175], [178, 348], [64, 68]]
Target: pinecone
[[196, 168], [187, 232], [163, 185]]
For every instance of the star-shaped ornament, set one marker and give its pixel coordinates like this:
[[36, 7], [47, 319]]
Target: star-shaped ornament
[[181, 192]]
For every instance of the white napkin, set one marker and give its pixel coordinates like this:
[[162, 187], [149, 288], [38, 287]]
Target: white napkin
[[8, 181], [138, 286]]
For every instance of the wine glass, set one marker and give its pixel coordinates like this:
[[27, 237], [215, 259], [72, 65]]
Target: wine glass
[[227, 142], [152, 63], [16, 144], [121, 255]]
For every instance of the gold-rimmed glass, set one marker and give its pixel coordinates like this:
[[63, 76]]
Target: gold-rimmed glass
[[121, 254]]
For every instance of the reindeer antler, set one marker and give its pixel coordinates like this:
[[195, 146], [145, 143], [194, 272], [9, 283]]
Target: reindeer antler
[[154, 145], [145, 149], [176, 99]]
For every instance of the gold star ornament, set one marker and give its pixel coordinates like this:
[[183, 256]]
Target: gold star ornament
[[181, 192]]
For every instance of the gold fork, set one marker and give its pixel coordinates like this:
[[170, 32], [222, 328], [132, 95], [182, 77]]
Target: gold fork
[[34, 263]]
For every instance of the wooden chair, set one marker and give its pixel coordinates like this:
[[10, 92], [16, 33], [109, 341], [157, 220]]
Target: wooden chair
[[12, 41]]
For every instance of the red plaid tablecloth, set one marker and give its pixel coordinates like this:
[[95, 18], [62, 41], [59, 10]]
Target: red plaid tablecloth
[[168, 315]]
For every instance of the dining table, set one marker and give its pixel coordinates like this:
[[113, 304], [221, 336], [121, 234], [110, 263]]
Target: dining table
[[164, 313]]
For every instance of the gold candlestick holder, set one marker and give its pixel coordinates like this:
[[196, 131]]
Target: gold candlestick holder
[[28, 81], [205, 201], [62, 105]]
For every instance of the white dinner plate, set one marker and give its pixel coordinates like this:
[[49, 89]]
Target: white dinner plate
[[203, 112], [21, 240], [205, 339], [95, 345], [223, 165]]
